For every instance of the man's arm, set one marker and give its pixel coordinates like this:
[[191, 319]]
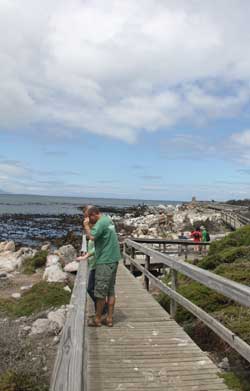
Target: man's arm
[[87, 229]]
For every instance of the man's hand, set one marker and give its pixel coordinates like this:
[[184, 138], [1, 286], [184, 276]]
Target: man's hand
[[82, 257], [86, 222]]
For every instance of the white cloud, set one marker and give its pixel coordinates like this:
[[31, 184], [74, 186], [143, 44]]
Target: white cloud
[[116, 68]]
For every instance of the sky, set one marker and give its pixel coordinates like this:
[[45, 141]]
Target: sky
[[144, 99]]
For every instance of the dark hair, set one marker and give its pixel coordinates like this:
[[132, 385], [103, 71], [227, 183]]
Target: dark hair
[[93, 210]]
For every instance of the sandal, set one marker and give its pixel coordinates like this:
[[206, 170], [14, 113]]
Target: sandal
[[108, 323], [92, 323]]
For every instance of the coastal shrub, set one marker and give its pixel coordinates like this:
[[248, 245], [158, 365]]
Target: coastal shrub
[[13, 381], [227, 255], [239, 271], [235, 382], [241, 237], [40, 297], [30, 264]]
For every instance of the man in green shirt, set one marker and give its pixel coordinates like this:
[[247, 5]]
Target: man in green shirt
[[107, 253]]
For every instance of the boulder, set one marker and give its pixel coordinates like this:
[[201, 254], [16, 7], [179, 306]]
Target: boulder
[[40, 326], [58, 317], [67, 254], [52, 260], [16, 295], [10, 246], [71, 267], [54, 273], [9, 262], [7, 246], [45, 247]]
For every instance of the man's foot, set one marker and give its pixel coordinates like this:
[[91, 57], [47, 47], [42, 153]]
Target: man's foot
[[108, 322], [93, 323]]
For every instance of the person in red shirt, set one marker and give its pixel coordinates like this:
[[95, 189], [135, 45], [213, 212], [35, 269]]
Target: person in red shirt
[[196, 235]]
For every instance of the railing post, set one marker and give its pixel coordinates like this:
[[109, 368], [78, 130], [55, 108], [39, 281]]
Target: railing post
[[132, 268], [124, 252], [186, 252], [147, 267], [174, 284]]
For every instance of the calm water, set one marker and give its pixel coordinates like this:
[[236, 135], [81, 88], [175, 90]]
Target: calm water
[[33, 204]]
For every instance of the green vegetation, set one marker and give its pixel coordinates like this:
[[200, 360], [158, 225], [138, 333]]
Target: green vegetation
[[30, 264], [40, 297], [13, 381], [229, 258], [234, 382]]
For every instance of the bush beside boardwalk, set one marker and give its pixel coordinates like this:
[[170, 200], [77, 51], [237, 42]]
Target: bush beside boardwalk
[[230, 258]]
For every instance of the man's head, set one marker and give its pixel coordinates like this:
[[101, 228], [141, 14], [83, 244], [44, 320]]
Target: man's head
[[93, 214], [86, 210]]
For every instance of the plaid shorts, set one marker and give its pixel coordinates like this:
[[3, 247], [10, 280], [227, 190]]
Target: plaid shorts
[[105, 276]]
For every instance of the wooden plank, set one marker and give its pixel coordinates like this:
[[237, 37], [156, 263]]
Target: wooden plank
[[227, 335], [233, 290], [139, 353], [68, 374]]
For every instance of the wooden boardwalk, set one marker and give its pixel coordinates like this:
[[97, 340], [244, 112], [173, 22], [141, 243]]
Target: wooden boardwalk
[[145, 350]]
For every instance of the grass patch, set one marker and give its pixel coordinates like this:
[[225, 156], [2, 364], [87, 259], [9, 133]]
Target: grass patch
[[30, 264], [234, 382], [13, 381], [40, 297]]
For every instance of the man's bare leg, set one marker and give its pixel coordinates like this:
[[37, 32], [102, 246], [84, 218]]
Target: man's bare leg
[[111, 305], [99, 310]]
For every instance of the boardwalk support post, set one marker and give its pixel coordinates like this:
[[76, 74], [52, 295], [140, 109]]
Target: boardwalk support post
[[147, 267], [174, 284], [132, 267]]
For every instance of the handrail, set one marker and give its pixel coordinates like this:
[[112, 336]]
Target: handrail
[[70, 366], [238, 292], [185, 242]]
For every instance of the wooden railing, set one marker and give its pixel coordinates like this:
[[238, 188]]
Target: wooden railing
[[233, 290], [183, 245], [70, 372]]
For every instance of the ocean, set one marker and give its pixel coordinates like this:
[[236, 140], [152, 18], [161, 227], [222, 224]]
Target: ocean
[[30, 220], [50, 205]]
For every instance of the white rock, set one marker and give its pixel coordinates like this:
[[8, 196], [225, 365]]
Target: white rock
[[71, 267], [16, 295], [54, 273], [58, 317], [67, 253], [8, 262], [10, 246], [67, 288], [224, 364], [26, 287], [40, 326], [52, 260], [45, 247]]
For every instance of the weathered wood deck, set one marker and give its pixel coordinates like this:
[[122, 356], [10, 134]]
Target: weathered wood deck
[[145, 349]]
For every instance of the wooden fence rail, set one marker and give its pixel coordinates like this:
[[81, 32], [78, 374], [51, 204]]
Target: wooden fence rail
[[235, 291], [70, 366], [183, 244]]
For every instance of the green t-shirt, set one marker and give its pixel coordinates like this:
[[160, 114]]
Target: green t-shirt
[[107, 249], [204, 235], [91, 259]]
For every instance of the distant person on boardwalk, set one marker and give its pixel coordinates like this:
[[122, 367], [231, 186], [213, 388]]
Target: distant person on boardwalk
[[182, 236], [107, 252], [205, 237], [196, 235]]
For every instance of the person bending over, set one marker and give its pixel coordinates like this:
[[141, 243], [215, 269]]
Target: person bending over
[[107, 252]]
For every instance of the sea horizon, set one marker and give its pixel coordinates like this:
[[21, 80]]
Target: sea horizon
[[47, 204]]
